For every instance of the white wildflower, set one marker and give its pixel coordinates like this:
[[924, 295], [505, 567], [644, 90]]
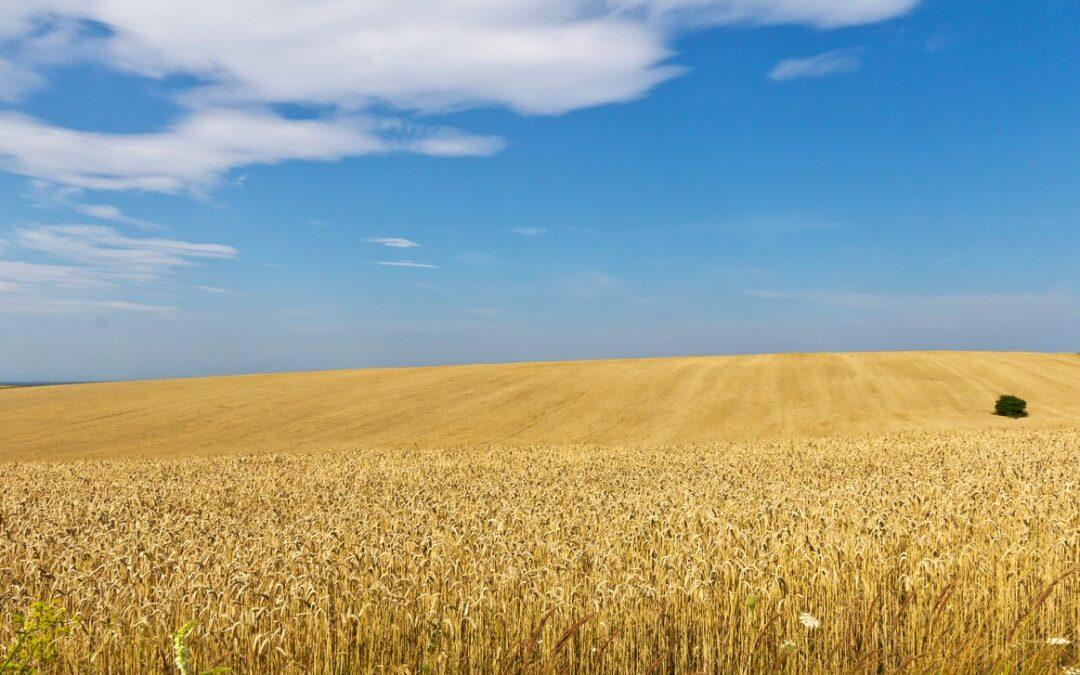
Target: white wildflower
[[809, 620], [1058, 641]]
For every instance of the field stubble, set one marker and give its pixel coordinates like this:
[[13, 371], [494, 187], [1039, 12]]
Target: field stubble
[[916, 552]]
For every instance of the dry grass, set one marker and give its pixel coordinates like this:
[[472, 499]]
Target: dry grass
[[646, 401], [928, 552]]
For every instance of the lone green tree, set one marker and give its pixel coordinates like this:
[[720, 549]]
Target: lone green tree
[[1010, 406]]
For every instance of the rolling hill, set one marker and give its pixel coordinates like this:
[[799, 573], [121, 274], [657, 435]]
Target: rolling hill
[[638, 401]]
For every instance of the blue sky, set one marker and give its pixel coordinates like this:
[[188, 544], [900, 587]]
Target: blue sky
[[338, 184]]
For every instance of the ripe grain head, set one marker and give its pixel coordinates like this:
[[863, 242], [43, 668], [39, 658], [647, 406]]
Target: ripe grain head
[[931, 551]]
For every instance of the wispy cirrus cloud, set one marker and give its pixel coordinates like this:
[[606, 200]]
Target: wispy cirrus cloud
[[406, 263], [74, 265], [393, 242], [17, 275], [527, 231], [105, 248], [113, 214], [17, 305], [819, 65], [16, 80], [44, 194], [817, 13], [194, 154]]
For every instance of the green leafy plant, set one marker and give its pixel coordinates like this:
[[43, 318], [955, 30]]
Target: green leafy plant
[[36, 635], [182, 654], [1010, 406]]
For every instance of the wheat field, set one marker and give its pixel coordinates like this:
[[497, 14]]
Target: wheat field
[[914, 552], [802, 514], [637, 401]]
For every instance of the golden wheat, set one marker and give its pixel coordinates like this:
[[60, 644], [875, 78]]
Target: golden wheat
[[944, 552], [621, 402]]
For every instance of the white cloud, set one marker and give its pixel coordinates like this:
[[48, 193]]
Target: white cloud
[[393, 242], [837, 61], [86, 260], [349, 58], [48, 195], [113, 214], [406, 263], [535, 56], [17, 275], [528, 231], [104, 248], [193, 154], [819, 13], [32, 38], [16, 80], [67, 306]]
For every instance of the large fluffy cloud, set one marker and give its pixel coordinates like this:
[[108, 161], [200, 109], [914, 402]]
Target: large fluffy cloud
[[348, 57], [536, 56]]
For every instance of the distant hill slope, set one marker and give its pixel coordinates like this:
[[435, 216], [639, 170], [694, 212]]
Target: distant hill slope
[[646, 401]]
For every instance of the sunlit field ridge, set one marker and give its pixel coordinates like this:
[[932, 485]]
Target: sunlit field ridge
[[636, 401]]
